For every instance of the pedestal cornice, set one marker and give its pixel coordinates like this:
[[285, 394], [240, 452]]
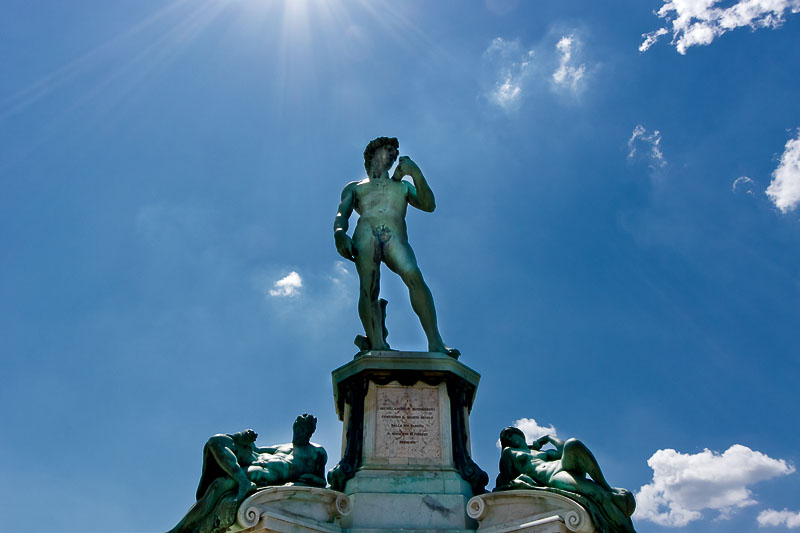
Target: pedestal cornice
[[406, 368]]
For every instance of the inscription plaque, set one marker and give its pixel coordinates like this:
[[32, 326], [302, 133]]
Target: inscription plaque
[[407, 422]]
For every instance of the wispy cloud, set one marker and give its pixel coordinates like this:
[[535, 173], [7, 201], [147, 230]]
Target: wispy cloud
[[532, 430], [743, 183], [513, 74], [685, 484], [771, 517], [652, 144], [784, 189], [511, 66], [287, 286], [567, 74], [699, 22]]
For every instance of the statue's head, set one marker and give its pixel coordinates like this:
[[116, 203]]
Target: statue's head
[[376, 144], [512, 437], [302, 429], [246, 437]]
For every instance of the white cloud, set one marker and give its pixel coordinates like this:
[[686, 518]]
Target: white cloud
[[784, 189], [685, 484], [699, 22], [532, 429], [568, 75], [744, 183], [771, 517], [512, 68], [288, 285], [652, 141]]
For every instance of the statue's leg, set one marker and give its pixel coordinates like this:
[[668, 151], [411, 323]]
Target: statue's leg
[[574, 482], [578, 458], [220, 447], [368, 267], [204, 506], [269, 474], [400, 259]]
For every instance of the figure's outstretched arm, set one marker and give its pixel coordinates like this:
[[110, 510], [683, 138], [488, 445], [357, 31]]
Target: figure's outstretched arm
[[223, 449], [538, 443], [558, 443], [420, 194], [344, 245], [552, 455]]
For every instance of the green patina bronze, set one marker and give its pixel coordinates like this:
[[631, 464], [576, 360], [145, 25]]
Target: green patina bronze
[[381, 236], [234, 467], [564, 470]]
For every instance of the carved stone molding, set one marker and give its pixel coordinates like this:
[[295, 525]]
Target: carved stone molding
[[530, 511], [293, 508]]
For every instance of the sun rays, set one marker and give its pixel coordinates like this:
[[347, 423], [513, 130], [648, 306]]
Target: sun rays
[[298, 34], [294, 50]]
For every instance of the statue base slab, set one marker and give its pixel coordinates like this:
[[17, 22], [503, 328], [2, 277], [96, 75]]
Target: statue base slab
[[529, 511], [408, 499], [292, 509]]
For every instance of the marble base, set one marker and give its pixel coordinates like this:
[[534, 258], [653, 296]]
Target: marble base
[[410, 499], [292, 509], [528, 511], [406, 461]]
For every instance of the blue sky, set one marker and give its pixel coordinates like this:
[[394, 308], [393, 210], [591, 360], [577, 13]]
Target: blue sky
[[615, 247]]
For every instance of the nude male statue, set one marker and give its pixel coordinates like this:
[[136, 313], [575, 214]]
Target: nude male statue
[[233, 467], [381, 236], [566, 467]]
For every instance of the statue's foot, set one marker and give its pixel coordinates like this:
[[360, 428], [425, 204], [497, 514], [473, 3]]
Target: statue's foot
[[452, 352], [624, 500], [382, 348]]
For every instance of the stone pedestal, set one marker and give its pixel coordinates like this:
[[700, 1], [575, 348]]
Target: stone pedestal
[[529, 511], [405, 448], [292, 509]]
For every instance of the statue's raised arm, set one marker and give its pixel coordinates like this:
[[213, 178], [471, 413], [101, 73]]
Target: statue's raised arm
[[344, 244], [419, 194]]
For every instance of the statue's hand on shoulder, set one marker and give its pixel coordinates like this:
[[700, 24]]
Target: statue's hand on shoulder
[[344, 245], [405, 167]]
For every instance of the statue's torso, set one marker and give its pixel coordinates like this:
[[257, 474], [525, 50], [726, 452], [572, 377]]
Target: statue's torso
[[381, 202], [306, 458], [298, 459], [534, 464]]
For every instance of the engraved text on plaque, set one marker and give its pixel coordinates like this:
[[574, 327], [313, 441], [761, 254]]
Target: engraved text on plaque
[[407, 422]]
